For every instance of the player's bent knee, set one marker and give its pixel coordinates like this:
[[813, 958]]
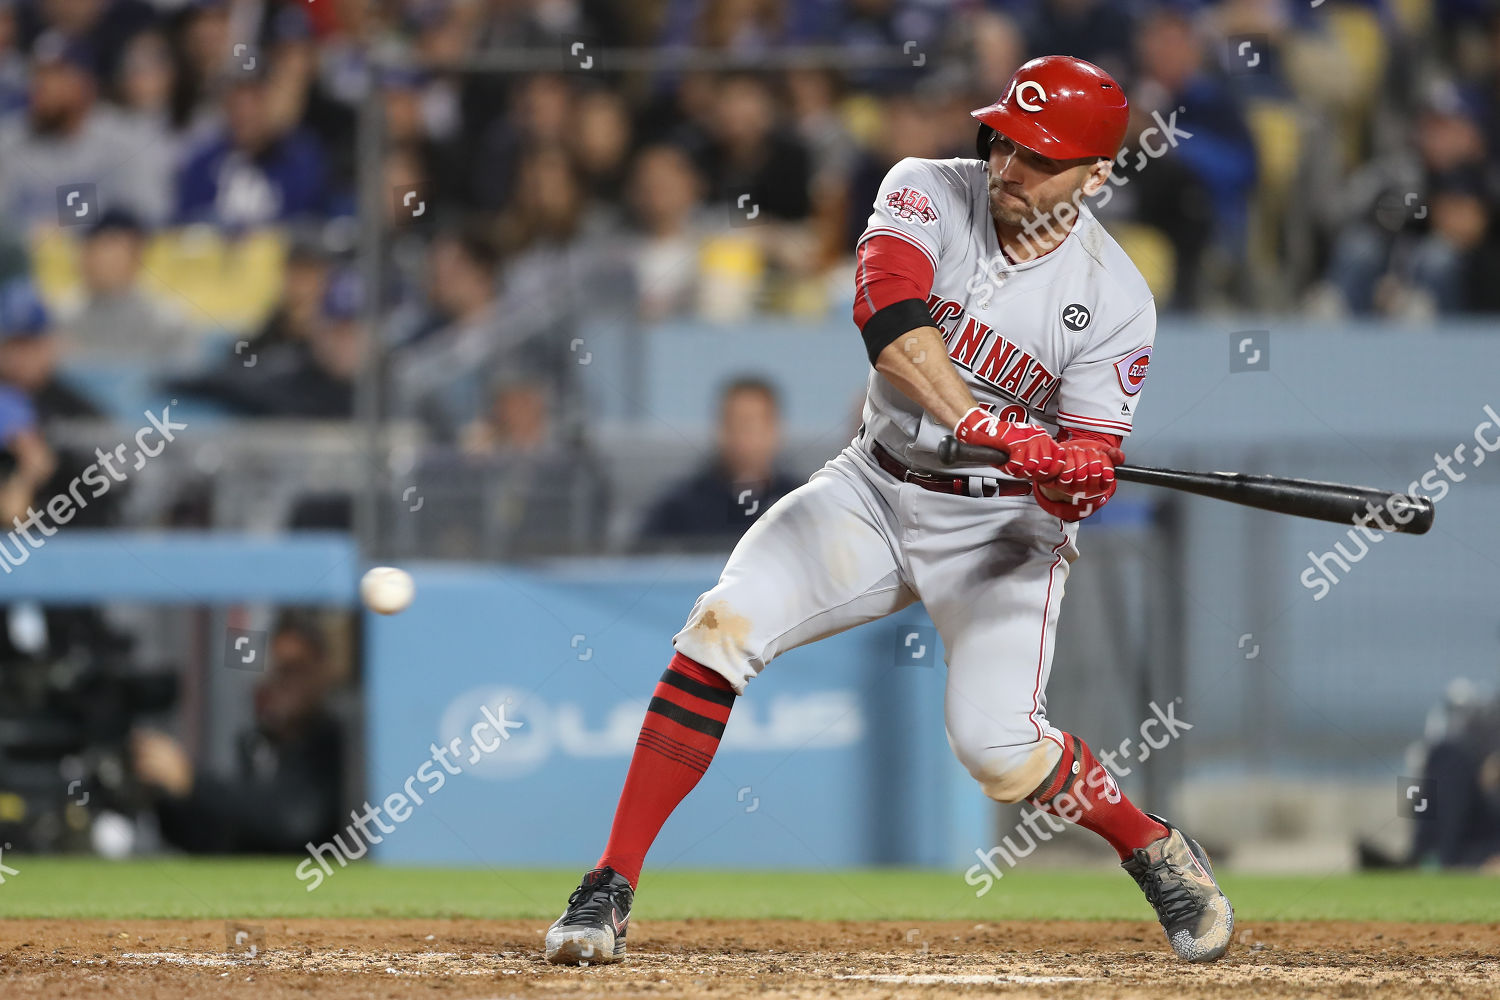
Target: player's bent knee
[[1011, 773], [719, 637]]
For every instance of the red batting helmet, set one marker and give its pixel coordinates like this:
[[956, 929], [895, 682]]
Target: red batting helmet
[[1061, 107]]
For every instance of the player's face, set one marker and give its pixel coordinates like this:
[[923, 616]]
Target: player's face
[[1025, 185]]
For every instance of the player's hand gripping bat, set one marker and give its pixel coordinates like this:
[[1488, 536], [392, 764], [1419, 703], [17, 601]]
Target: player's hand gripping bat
[[1411, 515]]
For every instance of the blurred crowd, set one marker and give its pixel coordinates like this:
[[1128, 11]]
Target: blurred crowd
[[180, 180]]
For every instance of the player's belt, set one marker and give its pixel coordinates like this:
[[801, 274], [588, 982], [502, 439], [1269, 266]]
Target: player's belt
[[964, 486]]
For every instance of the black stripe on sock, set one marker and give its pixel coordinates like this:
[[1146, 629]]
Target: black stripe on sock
[[684, 717], [676, 746], [690, 765], [682, 682]]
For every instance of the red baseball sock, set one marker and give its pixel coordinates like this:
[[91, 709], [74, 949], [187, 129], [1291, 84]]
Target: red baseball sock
[[1081, 790], [684, 723]]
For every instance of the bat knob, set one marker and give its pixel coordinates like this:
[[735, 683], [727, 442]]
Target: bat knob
[[948, 450]]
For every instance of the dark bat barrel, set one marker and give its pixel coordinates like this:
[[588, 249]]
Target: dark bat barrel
[[1373, 508]]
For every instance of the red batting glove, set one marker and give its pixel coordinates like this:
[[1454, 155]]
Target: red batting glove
[[1033, 453], [1088, 476], [1088, 467]]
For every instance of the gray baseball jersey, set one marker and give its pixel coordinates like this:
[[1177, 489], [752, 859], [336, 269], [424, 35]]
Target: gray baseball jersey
[[1064, 341]]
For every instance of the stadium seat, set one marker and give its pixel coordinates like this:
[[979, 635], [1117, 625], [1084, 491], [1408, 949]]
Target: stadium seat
[[1357, 32], [222, 283], [1152, 253], [1277, 133], [216, 282]]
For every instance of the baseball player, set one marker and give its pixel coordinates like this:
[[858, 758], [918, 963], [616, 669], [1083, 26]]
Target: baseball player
[[994, 307]]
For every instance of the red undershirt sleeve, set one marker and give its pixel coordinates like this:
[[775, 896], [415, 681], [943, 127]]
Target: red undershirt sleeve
[[892, 283]]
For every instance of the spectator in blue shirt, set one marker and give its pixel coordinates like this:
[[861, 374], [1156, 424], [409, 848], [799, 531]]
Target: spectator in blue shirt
[[250, 174], [735, 486], [1199, 191]]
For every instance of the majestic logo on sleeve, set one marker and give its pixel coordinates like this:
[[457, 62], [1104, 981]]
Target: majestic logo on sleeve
[[1132, 370], [1019, 91], [911, 205]]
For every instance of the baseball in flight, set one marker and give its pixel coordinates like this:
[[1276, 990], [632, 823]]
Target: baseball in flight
[[387, 590]]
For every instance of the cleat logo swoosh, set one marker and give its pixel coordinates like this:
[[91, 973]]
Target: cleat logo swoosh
[[614, 918]]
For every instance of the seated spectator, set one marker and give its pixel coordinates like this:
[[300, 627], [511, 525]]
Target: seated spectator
[[1096, 30], [557, 238], [1487, 88], [1458, 261], [250, 172], [666, 205], [28, 356], [144, 85], [338, 351], [65, 137], [287, 788], [35, 397], [441, 374], [748, 157], [282, 339], [1199, 192], [879, 26], [12, 63], [719, 502], [517, 424], [908, 127], [601, 143], [205, 62], [102, 27], [26, 462], [307, 373], [116, 318], [1413, 235], [813, 97], [303, 289], [554, 211], [538, 115], [727, 25], [1462, 829], [514, 489], [424, 123]]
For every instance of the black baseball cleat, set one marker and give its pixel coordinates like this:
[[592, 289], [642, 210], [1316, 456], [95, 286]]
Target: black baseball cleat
[[1176, 877], [591, 930]]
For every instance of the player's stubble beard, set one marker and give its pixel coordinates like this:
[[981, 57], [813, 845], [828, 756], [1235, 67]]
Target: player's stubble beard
[[1024, 224]]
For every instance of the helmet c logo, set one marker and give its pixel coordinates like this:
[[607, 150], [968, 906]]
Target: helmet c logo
[[1020, 90]]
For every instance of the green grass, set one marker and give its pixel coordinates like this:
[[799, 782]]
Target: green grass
[[87, 888]]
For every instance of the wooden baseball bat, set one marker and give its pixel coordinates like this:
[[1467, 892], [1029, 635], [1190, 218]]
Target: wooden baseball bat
[[1401, 512]]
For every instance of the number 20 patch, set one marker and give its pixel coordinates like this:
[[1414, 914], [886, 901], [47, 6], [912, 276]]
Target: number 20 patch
[[1132, 370]]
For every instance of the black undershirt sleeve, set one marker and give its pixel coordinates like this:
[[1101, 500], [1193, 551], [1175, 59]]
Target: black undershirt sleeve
[[892, 322]]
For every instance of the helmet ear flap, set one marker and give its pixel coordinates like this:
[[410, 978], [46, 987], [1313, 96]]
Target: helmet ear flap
[[982, 142]]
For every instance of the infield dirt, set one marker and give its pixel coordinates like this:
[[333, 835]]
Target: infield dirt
[[730, 959]]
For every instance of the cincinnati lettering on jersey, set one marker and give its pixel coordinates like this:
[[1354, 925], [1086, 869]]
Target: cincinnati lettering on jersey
[[911, 205], [991, 358]]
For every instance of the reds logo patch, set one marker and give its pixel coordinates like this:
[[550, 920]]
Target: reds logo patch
[[911, 205], [1132, 370]]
